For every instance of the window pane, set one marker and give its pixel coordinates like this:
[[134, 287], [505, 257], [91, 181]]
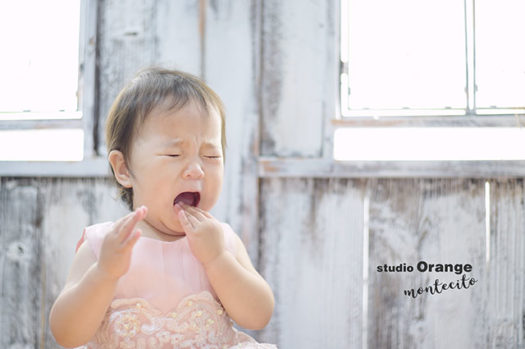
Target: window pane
[[406, 54], [39, 61], [500, 53]]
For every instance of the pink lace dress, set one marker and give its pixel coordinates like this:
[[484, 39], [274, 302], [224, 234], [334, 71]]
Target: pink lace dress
[[165, 300]]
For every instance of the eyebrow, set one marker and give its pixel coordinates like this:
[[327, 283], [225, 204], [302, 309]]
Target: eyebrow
[[177, 141]]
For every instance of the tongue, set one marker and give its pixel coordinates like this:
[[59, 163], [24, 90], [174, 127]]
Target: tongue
[[186, 197]]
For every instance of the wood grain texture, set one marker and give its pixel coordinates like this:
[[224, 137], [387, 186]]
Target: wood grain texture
[[138, 34], [20, 260], [438, 221], [329, 168], [506, 266], [42, 220], [311, 254], [297, 54]]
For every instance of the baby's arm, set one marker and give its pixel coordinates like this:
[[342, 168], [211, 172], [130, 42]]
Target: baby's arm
[[80, 307], [243, 292], [245, 295], [90, 286]]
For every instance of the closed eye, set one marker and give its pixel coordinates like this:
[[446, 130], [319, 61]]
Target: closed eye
[[213, 157], [173, 155]]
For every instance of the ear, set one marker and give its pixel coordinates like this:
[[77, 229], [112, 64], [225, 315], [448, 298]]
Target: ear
[[120, 169]]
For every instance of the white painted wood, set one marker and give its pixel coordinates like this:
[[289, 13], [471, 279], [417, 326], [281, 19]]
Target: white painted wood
[[438, 221], [41, 222], [20, 258], [269, 167], [126, 44], [506, 266], [87, 90], [297, 55], [311, 254], [177, 41], [516, 120], [230, 65]]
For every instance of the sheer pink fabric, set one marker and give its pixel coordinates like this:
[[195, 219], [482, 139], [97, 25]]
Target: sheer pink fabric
[[165, 300]]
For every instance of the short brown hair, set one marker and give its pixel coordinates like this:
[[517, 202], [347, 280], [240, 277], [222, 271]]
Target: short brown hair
[[148, 89]]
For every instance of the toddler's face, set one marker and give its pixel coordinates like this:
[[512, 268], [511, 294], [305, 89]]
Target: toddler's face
[[176, 152]]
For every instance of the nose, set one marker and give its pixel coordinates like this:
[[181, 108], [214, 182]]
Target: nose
[[193, 171]]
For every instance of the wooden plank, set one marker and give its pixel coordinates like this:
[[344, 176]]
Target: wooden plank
[[311, 254], [87, 77], [270, 167], [436, 221], [506, 265], [297, 54], [230, 27], [20, 264], [177, 39]]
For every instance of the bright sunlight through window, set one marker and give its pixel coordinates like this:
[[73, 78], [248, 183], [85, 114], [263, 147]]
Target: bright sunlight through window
[[39, 70], [412, 58]]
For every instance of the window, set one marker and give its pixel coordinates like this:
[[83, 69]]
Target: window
[[431, 63], [40, 119], [446, 57]]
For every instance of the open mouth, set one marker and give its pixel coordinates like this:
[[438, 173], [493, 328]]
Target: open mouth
[[189, 198]]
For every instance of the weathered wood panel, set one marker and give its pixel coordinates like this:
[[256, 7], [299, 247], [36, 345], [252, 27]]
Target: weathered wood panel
[[297, 60], [505, 317], [137, 34], [41, 221], [311, 254], [436, 221], [20, 261]]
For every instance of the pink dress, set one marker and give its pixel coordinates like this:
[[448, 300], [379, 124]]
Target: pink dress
[[165, 300]]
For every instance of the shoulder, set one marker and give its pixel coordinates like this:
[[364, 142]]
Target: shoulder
[[93, 236]]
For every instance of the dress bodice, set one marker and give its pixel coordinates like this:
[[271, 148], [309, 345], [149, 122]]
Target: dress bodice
[[165, 300]]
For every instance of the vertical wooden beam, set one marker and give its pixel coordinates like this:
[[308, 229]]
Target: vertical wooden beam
[[506, 266], [297, 56], [312, 253], [232, 48], [87, 92]]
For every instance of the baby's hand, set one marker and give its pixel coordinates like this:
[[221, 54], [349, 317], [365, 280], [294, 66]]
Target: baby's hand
[[204, 233], [115, 253]]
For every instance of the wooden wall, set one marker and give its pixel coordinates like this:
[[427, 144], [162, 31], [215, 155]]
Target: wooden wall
[[318, 241]]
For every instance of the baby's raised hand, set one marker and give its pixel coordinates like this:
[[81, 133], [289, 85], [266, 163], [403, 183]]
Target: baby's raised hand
[[115, 252], [203, 231]]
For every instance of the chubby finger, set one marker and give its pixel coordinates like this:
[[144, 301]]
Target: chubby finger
[[186, 224], [129, 226], [204, 213], [132, 239], [117, 226], [192, 211]]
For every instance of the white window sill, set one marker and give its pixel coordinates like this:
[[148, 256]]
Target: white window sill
[[96, 167]]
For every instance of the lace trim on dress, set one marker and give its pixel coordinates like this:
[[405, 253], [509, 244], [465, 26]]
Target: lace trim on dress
[[198, 321]]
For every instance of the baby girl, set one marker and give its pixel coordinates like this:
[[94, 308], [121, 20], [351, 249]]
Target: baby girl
[[168, 274]]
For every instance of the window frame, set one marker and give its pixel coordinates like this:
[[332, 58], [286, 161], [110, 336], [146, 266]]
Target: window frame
[[471, 110], [326, 166], [92, 165]]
